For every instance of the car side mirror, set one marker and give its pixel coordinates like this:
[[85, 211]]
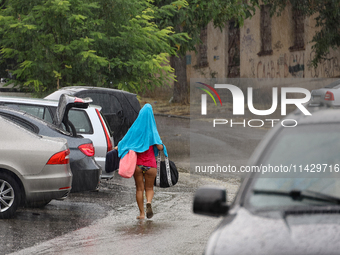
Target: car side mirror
[[211, 201]]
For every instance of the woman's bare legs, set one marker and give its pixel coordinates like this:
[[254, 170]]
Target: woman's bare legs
[[149, 182], [149, 176], [138, 175]]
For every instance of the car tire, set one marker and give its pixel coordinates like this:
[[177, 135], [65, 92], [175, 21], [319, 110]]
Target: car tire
[[9, 196]]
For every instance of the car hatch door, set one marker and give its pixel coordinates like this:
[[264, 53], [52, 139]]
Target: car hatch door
[[66, 102]]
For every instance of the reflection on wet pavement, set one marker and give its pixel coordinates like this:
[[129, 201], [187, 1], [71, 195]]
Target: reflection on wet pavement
[[142, 227], [174, 229], [57, 218]]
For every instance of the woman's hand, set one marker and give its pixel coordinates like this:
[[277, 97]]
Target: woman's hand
[[159, 146]]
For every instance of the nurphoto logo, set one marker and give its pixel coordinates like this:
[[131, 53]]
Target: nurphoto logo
[[239, 103]]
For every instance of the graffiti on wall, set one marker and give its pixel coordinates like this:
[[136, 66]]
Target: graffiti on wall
[[286, 65], [248, 42], [329, 67], [294, 65], [278, 46]]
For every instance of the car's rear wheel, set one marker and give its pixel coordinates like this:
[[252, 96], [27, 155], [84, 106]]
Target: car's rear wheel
[[9, 196]]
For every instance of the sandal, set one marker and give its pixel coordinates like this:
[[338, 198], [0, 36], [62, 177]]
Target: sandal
[[149, 212]]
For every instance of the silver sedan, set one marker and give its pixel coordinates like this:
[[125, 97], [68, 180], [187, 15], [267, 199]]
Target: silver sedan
[[33, 168]]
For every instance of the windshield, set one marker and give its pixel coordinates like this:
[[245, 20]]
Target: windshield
[[305, 145], [312, 155]]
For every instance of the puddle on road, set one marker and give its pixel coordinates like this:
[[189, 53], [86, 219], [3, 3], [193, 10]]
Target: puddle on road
[[34, 225], [143, 227]]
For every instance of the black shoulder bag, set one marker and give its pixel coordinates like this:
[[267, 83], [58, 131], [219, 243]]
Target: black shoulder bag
[[167, 174]]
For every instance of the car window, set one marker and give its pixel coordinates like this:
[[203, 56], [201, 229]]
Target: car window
[[113, 112], [81, 121], [40, 111], [21, 122], [48, 116], [108, 102], [114, 104]]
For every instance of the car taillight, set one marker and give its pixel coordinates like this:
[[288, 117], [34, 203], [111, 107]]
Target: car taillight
[[60, 158], [329, 96], [87, 149], [108, 140]]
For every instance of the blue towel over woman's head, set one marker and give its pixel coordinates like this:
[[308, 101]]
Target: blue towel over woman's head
[[142, 134]]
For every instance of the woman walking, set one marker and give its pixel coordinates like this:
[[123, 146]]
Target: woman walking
[[143, 138]]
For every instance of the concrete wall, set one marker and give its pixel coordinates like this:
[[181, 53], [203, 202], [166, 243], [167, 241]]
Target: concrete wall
[[282, 63], [217, 52]]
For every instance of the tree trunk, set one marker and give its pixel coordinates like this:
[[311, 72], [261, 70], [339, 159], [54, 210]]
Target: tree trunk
[[181, 88]]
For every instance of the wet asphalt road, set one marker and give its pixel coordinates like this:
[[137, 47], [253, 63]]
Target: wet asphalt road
[[174, 229], [104, 222]]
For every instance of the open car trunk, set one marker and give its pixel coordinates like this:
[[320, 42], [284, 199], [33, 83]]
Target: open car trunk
[[66, 102]]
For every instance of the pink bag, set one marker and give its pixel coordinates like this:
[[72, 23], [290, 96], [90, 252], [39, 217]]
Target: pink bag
[[127, 164]]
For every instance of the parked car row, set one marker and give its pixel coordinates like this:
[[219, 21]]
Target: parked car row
[[87, 122], [86, 172], [63, 145]]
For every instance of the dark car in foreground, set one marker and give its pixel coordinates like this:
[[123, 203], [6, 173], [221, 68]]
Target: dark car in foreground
[[292, 209], [33, 168], [119, 107], [86, 172]]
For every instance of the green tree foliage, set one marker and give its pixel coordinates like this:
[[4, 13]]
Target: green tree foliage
[[327, 16], [198, 13], [112, 43], [191, 19]]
